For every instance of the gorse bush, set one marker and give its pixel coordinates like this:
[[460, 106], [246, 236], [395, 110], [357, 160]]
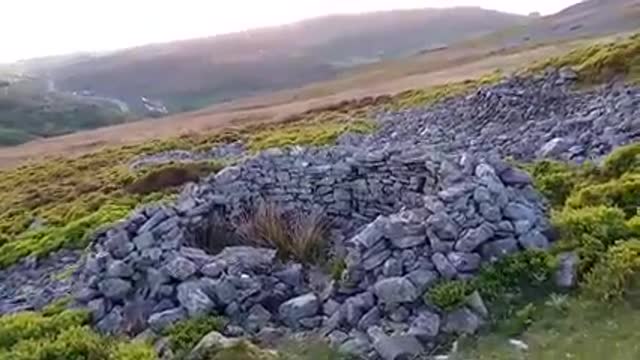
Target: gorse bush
[[614, 271], [301, 237]]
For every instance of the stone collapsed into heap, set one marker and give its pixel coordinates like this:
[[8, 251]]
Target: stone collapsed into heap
[[424, 217]]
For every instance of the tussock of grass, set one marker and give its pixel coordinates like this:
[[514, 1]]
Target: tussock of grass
[[600, 62], [303, 237]]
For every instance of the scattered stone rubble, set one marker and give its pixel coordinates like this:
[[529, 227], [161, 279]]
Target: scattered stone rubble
[[425, 198]]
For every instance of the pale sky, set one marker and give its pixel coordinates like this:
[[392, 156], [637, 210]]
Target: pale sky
[[32, 28]]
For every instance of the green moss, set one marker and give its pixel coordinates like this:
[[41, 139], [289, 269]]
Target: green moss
[[133, 351], [600, 62], [186, 334]]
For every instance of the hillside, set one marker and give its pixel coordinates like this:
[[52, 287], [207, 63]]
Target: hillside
[[191, 74], [585, 19], [30, 108], [493, 218]]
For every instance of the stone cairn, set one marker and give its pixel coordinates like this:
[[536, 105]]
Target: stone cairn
[[404, 217]]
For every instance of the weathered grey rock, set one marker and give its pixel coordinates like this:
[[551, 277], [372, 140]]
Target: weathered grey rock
[[144, 241], [498, 249], [534, 240], [464, 262], [408, 241], [399, 347], [462, 321], [97, 308], [553, 148], [247, 258], [391, 268], [213, 340], [258, 317], [474, 238], [180, 268], [426, 326], [161, 320], [514, 176], [119, 269], [225, 291], [566, 274], [372, 233], [118, 244], [476, 304], [422, 279], [298, 308], [443, 226], [194, 299], [395, 290], [446, 269], [372, 317], [111, 323], [516, 211], [115, 289], [212, 270]]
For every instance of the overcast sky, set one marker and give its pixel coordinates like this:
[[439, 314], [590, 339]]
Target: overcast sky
[[31, 28]]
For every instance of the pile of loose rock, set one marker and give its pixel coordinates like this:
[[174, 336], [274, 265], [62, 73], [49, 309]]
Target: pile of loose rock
[[425, 198], [427, 217]]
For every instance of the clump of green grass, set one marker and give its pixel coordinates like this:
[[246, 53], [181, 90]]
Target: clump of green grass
[[301, 237], [600, 62]]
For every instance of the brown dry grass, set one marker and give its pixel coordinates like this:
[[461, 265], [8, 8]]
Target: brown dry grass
[[454, 64]]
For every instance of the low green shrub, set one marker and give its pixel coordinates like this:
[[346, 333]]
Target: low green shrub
[[185, 335], [449, 295], [622, 193], [603, 223], [614, 271], [74, 235], [337, 267], [524, 269], [62, 335], [623, 160]]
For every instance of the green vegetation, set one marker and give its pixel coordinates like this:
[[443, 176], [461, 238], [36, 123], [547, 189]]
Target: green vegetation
[[316, 133], [580, 329], [28, 110], [510, 274], [303, 237], [600, 62], [597, 215], [62, 335], [75, 196], [186, 334], [423, 97]]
